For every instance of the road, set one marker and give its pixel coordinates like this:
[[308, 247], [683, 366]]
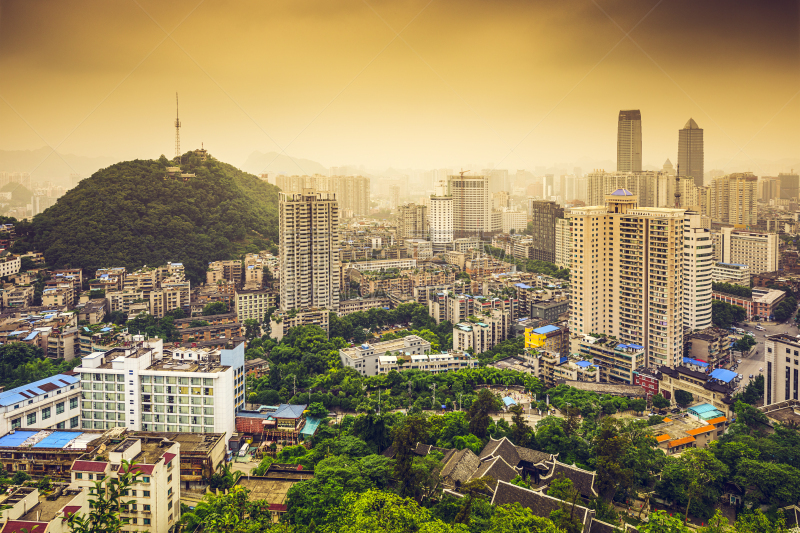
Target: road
[[753, 363]]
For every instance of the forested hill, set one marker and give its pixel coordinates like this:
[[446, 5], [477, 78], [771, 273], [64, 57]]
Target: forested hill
[[129, 215]]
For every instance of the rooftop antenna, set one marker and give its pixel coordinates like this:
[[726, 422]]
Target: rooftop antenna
[[177, 129], [678, 187]]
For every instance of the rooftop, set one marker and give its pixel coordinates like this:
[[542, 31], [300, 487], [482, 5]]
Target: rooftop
[[32, 390], [49, 439]]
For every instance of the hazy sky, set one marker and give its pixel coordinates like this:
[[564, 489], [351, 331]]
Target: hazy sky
[[514, 83]]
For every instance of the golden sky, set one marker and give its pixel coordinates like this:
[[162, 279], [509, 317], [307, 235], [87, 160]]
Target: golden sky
[[511, 83]]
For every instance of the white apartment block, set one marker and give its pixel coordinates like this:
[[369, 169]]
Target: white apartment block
[[484, 334], [781, 368], [653, 188], [253, 304], [157, 495], [435, 363], [758, 250], [627, 275], [516, 220], [308, 231], [698, 263], [563, 243], [193, 390], [366, 358], [375, 266], [50, 403], [732, 273], [9, 264]]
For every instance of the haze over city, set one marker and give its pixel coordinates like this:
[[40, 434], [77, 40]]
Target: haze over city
[[410, 84]]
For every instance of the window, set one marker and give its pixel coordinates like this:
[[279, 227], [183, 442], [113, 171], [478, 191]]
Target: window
[[59, 408], [146, 493], [169, 491], [78, 475], [147, 521], [73, 403], [146, 507], [169, 505], [16, 423], [73, 422], [45, 413], [169, 479], [31, 419]]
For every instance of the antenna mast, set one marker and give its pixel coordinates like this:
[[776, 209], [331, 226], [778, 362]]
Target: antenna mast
[[177, 129], [678, 187]]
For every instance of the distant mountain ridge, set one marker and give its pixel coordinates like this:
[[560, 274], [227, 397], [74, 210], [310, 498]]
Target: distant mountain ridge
[[44, 164], [274, 163]]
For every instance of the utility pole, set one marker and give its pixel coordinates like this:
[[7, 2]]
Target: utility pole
[[460, 394], [379, 402], [294, 384], [434, 396], [409, 397]]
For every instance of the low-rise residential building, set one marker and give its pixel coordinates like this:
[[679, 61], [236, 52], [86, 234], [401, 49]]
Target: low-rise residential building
[[552, 367], [253, 304], [213, 320], [782, 368], [731, 273], [28, 510], [675, 435], [348, 307], [59, 297], [365, 358], [19, 296], [274, 485], [200, 454], [482, 333], [158, 493], [617, 361], [551, 338], [717, 391], [711, 345], [283, 423], [46, 452], [281, 322], [47, 403], [760, 305], [224, 270], [93, 311], [648, 379], [419, 248], [230, 330], [140, 387], [434, 363], [9, 264], [374, 266]]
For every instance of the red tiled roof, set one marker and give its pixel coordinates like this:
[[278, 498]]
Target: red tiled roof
[[89, 466], [16, 526], [168, 457], [68, 510], [277, 507], [144, 469]]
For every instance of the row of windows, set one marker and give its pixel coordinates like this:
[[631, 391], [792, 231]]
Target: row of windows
[[170, 380], [16, 423]]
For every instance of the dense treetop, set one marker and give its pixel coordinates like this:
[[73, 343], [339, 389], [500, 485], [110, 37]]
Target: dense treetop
[[129, 215]]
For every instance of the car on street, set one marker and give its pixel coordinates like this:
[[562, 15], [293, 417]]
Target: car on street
[[751, 376]]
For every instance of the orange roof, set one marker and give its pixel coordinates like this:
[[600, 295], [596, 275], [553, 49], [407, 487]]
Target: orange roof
[[662, 438], [704, 429], [718, 420], [679, 442]]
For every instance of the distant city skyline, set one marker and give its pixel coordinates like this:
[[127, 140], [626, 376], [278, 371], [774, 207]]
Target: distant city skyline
[[334, 83]]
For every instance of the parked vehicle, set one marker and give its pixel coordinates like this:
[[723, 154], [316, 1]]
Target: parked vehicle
[[761, 328]]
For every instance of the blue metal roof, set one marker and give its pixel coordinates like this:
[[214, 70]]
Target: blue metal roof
[[583, 364], [696, 362], [32, 336], [286, 410], [508, 400], [522, 286], [310, 427], [545, 329], [10, 397], [58, 439], [622, 192], [18, 437], [724, 375]]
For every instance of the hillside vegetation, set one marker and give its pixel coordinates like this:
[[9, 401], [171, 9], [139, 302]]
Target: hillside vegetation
[[129, 215]]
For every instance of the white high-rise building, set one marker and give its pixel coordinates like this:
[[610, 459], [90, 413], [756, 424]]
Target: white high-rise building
[[758, 250], [629, 141], [440, 219], [308, 232], [563, 243], [190, 390], [627, 275], [698, 271]]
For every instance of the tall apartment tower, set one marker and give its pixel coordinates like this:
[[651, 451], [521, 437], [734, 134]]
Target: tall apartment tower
[[690, 152], [627, 275], [733, 199], [629, 141], [440, 219], [308, 230], [698, 270], [789, 185], [472, 205], [412, 222], [543, 223]]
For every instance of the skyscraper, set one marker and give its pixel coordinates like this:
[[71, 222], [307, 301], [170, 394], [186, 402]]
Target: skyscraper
[[472, 205], [698, 267], [629, 141], [733, 199], [543, 223], [412, 222], [690, 152], [440, 220], [627, 275], [308, 233]]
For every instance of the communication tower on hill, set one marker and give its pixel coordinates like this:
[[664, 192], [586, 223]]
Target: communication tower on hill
[[177, 129]]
